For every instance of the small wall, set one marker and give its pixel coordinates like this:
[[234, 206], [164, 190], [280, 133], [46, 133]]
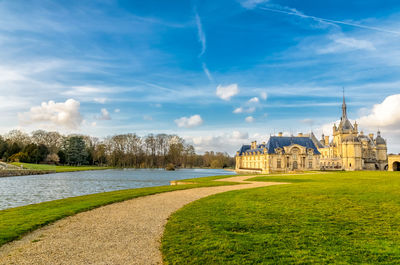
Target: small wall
[[12, 173], [246, 171], [391, 160]]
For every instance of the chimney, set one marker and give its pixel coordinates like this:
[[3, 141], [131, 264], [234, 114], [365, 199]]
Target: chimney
[[300, 135], [371, 135], [280, 134], [327, 140]]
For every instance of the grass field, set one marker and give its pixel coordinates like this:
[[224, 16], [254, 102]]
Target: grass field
[[16, 222], [58, 168], [330, 218]]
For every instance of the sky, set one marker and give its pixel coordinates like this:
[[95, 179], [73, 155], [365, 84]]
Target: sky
[[218, 73]]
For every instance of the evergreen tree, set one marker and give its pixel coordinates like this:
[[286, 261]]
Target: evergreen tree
[[75, 150]]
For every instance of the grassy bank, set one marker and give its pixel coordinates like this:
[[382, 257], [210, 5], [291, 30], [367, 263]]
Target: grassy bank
[[16, 222], [58, 168], [332, 218]]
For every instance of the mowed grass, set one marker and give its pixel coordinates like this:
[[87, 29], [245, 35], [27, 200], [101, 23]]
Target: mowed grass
[[57, 168], [18, 221], [330, 218]]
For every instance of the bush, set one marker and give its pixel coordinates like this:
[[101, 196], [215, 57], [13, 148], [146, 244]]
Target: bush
[[170, 167], [19, 157]]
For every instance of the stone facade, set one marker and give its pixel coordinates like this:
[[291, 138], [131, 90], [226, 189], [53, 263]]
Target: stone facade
[[280, 154], [348, 150]]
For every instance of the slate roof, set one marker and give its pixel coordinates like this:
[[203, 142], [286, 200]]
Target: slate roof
[[280, 142]]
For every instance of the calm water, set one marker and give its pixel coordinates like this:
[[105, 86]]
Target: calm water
[[23, 190]]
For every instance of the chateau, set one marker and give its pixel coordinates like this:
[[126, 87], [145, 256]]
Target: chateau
[[347, 150]]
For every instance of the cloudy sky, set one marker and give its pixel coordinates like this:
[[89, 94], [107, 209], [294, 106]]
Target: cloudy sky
[[218, 73]]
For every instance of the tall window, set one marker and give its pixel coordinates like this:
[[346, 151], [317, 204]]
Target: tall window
[[278, 163], [310, 164]]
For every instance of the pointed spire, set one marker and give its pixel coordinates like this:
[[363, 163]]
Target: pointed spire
[[344, 107]]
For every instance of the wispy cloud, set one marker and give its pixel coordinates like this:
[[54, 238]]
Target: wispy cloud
[[207, 72], [201, 34], [343, 44], [297, 13]]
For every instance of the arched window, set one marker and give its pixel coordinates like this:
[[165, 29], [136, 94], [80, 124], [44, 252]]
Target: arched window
[[294, 164]]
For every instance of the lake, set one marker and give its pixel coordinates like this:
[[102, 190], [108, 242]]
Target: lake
[[23, 190]]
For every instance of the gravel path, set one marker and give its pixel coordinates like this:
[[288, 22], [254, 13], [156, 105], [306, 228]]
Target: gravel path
[[128, 232]]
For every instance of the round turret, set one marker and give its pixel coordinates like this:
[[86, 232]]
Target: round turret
[[379, 139]]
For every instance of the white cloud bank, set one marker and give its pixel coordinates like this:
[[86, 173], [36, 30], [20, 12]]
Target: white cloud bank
[[53, 115], [226, 92], [189, 122], [384, 115]]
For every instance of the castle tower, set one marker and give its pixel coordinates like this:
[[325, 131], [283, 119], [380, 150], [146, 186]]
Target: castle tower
[[381, 151]]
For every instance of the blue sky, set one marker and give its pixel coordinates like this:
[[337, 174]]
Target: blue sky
[[219, 73]]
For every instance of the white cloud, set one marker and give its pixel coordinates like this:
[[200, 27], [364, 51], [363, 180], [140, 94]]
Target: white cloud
[[190, 122], [254, 100], [249, 119], [93, 124], [52, 115], [238, 110], [100, 100], [240, 135], [244, 110], [264, 95], [105, 115], [117, 110], [226, 92]]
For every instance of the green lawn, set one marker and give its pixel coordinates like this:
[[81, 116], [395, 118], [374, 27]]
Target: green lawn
[[16, 222], [330, 218], [58, 168]]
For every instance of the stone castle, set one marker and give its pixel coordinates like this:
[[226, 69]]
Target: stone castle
[[349, 149]]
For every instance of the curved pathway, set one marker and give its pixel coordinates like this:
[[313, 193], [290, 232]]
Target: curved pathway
[[128, 232]]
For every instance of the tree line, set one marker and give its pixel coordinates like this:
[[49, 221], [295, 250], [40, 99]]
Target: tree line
[[123, 150]]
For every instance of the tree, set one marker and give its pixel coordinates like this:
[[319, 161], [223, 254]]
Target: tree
[[75, 150], [62, 156], [52, 158]]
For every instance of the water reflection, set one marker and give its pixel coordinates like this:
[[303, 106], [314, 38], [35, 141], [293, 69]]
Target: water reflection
[[23, 190]]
